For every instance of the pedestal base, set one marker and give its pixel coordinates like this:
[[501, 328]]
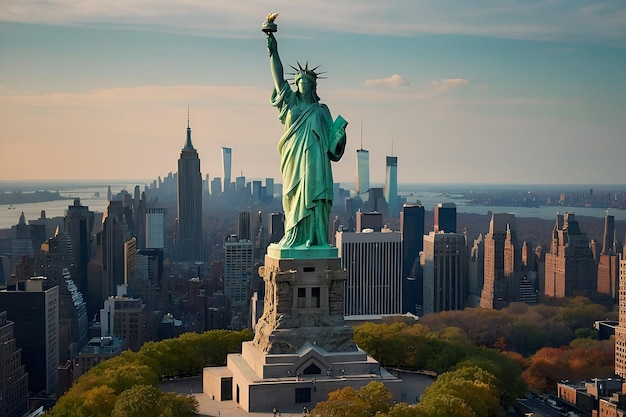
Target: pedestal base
[[292, 381], [302, 349]]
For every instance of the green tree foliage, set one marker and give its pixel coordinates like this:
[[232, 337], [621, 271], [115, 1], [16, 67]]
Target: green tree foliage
[[98, 392], [371, 399], [146, 400], [138, 401], [474, 386], [191, 352], [424, 349], [444, 405], [172, 405]]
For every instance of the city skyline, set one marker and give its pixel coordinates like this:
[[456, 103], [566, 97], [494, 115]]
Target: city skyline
[[523, 92]]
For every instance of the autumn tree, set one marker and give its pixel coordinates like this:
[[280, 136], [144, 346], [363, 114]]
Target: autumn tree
[[369, 400]]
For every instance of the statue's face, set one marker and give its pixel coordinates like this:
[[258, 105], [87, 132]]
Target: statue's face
[[306, 86]]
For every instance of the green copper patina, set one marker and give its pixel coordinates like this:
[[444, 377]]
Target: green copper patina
[[310, 142]]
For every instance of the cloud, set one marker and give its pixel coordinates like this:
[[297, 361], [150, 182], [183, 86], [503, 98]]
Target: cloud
[[449, 84], [556, 20], [393, 81]]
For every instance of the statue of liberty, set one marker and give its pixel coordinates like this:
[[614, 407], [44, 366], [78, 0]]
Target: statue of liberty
[[310, 142]]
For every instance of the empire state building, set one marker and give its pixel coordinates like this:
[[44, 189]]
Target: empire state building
[[189, 229]]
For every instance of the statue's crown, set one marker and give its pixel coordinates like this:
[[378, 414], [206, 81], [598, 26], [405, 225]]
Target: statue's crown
[[305, 72]]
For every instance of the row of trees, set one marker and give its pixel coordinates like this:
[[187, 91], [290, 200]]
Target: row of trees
[[547, 343], [416, 347], [127, 385], [468, 391], [521, 327]]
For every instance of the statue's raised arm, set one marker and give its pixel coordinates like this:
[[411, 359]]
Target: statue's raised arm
[[276, 66]]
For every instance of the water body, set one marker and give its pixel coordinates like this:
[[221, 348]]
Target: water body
[[94, 195], [91, 194]]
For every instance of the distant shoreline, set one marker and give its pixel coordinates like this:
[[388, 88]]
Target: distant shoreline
[[19, 197]]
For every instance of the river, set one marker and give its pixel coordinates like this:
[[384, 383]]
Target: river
[[94, 195]]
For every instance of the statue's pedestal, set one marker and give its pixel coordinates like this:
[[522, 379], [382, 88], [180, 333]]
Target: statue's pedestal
[[302, 349]]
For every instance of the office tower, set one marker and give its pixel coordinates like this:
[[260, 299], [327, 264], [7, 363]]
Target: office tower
[[445, 272], [277, 227], [500, 284], [227, 160], [244, 225], [570, 265], [372, 221], [391, 185], [56, 263], [130, 266], [78, 222], [22, 243], [445, 217], [150, 275], [240, 184], [216, 187], [608, 263], [257, 187], [238, 273], [476, 271], [373, 262], [269, 188], [140, 221], [13, 377], [5, 269], [35, 312], [620, 330], [362, 171], [123, 317], [412, 230], [189, 233], [155, 228], [114, 234]]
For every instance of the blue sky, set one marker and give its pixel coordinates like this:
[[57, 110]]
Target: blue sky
[[461, 91]]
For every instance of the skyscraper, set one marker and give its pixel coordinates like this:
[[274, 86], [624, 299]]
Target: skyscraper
[[114, 234], [608, 263], [189, 233], [14, 385], [35, 312], [412, 230], [620, 330], [373, 261], [362, 171], [56, 262], [155, 228], [244, 225], [445, 217], [78, 222], [227, 159], [238, 273], [570, 264], [445, 272], [500, 282], [391, 185]]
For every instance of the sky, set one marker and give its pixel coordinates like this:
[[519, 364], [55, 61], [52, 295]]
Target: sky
[[490, 91]]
